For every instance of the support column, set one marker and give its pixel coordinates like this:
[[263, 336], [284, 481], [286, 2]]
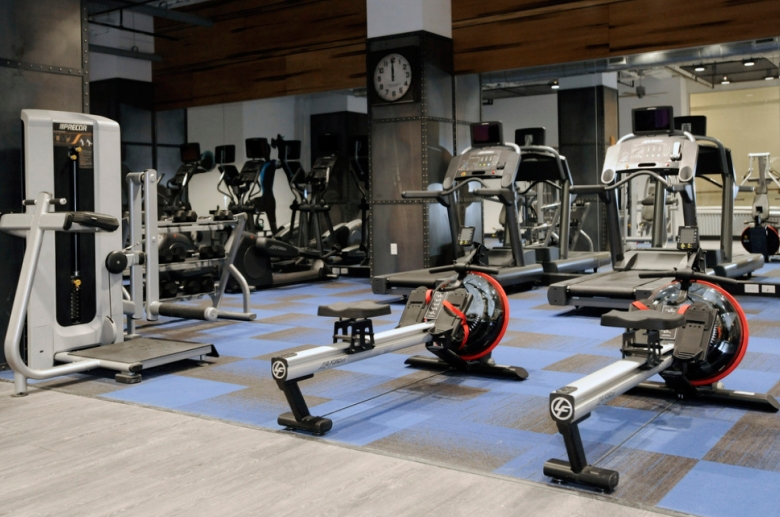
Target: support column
[[412, 134], [587, 126]]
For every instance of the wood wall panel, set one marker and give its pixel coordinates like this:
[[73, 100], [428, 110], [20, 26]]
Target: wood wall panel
[[267, 48], [258, 49], [530, 41], [638, 25], [506, 34]]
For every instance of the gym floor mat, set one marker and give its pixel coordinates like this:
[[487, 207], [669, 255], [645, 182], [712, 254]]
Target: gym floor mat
[[684, 456]]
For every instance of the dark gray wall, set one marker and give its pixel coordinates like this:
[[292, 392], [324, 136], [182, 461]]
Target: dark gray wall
[[587, 119], [42, 66]]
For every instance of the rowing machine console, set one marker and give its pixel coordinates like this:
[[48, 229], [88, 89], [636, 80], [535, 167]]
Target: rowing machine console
[[461, 322], [690, 332]]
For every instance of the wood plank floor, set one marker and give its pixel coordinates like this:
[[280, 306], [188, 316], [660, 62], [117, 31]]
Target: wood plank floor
[[71, 455]]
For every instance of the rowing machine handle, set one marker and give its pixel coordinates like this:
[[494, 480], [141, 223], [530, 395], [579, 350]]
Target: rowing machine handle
[[406, 194], [687, 274]]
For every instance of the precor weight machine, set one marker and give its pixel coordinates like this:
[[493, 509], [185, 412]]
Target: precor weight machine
[[68, 303]]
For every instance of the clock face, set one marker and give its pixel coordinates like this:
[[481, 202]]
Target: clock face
[[392, 77]]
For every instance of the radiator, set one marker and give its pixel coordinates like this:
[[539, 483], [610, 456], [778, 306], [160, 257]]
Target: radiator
[[708, 218]]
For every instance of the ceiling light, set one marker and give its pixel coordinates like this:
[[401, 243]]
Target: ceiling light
[[725, 80], [554, 85], [749, 62], [769, 78], [699, 68]]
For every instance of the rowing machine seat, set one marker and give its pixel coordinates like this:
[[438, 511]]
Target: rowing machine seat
[[646, 320], [356, 310]]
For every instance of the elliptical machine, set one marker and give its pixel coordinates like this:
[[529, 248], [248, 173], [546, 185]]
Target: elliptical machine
[[691, 332], [174, 199], [251, 190]]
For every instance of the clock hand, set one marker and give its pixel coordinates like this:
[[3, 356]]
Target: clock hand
[[392, 71]]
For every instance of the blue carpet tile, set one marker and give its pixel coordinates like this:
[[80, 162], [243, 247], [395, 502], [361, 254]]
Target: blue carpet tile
[[685, 456]]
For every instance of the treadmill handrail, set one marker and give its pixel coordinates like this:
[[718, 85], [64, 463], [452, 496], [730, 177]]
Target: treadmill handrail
[[406, 194], [594, 189]]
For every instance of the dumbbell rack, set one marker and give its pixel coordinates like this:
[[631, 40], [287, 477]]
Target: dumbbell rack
[[145, 231]]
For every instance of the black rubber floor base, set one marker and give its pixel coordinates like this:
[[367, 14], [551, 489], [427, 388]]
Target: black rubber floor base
[[490, 370], [602, 479], [313, 424]]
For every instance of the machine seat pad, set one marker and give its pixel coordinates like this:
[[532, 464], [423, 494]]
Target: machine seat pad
[[354, 310], [646, 320]]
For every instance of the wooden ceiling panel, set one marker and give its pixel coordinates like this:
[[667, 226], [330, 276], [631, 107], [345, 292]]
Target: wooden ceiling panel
[[326, 70], [644, 25], [522, 42], [473, 10]]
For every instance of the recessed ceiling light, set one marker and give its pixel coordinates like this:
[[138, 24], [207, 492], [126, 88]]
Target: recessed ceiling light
[[749, 62], [699, 68], [554, 85], [725, 80]]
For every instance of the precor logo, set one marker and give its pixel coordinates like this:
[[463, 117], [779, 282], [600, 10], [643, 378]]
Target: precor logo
[[73, 127], [279, 370], [561, 408]]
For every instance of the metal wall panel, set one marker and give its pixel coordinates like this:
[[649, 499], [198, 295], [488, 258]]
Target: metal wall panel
[[468, 98], [396, 156], [438, 92], [394, 224], [42, 32], [171, 127], [439, 149]]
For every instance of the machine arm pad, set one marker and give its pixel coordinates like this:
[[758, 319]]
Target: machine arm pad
[[646, 320], [93, 220]]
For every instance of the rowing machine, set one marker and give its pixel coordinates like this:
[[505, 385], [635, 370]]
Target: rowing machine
[[461, 321], [691, 332]]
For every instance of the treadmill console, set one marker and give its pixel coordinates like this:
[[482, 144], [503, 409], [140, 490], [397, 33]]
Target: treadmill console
[[489, 162], [654, 146]]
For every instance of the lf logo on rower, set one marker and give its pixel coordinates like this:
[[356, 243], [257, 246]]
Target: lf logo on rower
[[561, 408], [279, 370]]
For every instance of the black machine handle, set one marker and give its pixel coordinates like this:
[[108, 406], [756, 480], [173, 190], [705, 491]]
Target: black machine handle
[[687, 274], [53, 201], [406, 194], [465, 268], [94, 220]]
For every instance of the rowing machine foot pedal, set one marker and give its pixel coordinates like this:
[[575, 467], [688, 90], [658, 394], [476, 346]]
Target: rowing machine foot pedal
[[128, 378], [313, 424], [602, 479]]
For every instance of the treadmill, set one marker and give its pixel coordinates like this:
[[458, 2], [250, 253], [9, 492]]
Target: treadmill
[[487, 158], [715, 161], [542, 165], [670, 158]]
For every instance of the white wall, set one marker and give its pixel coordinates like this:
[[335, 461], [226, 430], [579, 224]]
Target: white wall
[[225, 124], [520, 112]]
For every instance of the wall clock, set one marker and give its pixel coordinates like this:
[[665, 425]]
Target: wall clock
[[392, 77]]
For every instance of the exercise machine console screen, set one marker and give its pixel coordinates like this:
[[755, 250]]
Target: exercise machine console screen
[[652, 121], [485, 134]]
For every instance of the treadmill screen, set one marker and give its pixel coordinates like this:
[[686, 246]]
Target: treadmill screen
[[189, 152], [485, 134], [653, 120]]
